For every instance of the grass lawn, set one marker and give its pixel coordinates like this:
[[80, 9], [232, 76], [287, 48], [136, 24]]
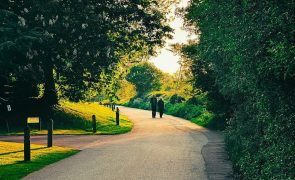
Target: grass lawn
[[76, 118], [12, 165]]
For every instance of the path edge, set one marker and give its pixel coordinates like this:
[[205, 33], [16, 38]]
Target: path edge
[[217, 163]]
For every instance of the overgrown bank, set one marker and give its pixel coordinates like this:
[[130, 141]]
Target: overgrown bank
[[246, 54]]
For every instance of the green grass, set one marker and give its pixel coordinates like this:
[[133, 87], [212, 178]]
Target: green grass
[[13, 167], [76, 119]]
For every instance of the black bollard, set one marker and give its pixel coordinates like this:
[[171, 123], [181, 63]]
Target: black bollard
[[27, 144], [93, 124], [118, 117], [40, 124], [50, 133]]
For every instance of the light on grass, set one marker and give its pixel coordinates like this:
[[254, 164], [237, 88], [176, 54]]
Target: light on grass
[[13, 167], [76, 118], [105, 117]]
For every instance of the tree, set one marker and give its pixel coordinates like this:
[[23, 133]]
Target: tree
[[86, 38], [145, 77], [126, 92]]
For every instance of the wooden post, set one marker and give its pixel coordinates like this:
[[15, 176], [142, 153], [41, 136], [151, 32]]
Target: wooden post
[[50, 133], [93, 124], [117, 117], [7, 125], [27, 144]]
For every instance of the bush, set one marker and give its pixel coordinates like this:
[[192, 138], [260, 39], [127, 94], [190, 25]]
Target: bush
[[138, 103], [200, 99], [175, 98], [184, 110], [163, 94], [205, 119]]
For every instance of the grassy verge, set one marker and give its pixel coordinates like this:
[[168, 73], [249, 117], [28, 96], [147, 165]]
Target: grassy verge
[[76, 118], [13, 167]]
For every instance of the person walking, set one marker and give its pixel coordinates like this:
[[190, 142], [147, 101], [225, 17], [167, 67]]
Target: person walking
[[161, 107], [154, 106]]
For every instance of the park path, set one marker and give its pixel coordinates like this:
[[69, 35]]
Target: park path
[[168, 148]]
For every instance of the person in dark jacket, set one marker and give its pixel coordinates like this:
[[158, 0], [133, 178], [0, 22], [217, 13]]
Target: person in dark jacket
[[161, 107], [154, 106]]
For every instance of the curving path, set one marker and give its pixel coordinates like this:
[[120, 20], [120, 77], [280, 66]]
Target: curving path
[[168, 148]]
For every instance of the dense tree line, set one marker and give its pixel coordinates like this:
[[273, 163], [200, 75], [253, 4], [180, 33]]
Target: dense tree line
[[246, 55], [51, 49]]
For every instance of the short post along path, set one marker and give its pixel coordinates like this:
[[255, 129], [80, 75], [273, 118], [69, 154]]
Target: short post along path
[[168, 148]]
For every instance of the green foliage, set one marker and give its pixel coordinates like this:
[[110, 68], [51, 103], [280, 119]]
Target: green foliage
[[138, 103], [205, 119], [126, 92], [185, 110], [246, 55], [16, 40], [71, 43], [175, 98], [163, 94], [145, 77]]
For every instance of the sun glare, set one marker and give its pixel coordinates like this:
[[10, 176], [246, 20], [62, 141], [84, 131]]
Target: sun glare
[[166, 60]]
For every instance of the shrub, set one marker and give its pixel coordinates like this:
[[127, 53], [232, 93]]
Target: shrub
[[175, 98], [138, 103]]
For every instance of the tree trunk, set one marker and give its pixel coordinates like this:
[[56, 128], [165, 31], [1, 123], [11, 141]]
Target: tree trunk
[[50, 96]]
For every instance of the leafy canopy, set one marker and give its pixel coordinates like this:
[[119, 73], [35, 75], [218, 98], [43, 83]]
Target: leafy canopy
[[72, 42], [145, 77]]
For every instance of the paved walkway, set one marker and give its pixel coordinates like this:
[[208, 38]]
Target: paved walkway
[[168, 148]]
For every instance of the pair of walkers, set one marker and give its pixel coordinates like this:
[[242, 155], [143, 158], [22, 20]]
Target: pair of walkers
[[154, 104]]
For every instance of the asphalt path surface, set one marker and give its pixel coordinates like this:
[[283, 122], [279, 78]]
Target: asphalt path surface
[[167, 148]]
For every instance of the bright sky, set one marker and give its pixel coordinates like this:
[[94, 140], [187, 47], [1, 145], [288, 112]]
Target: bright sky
[[167, 61]]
